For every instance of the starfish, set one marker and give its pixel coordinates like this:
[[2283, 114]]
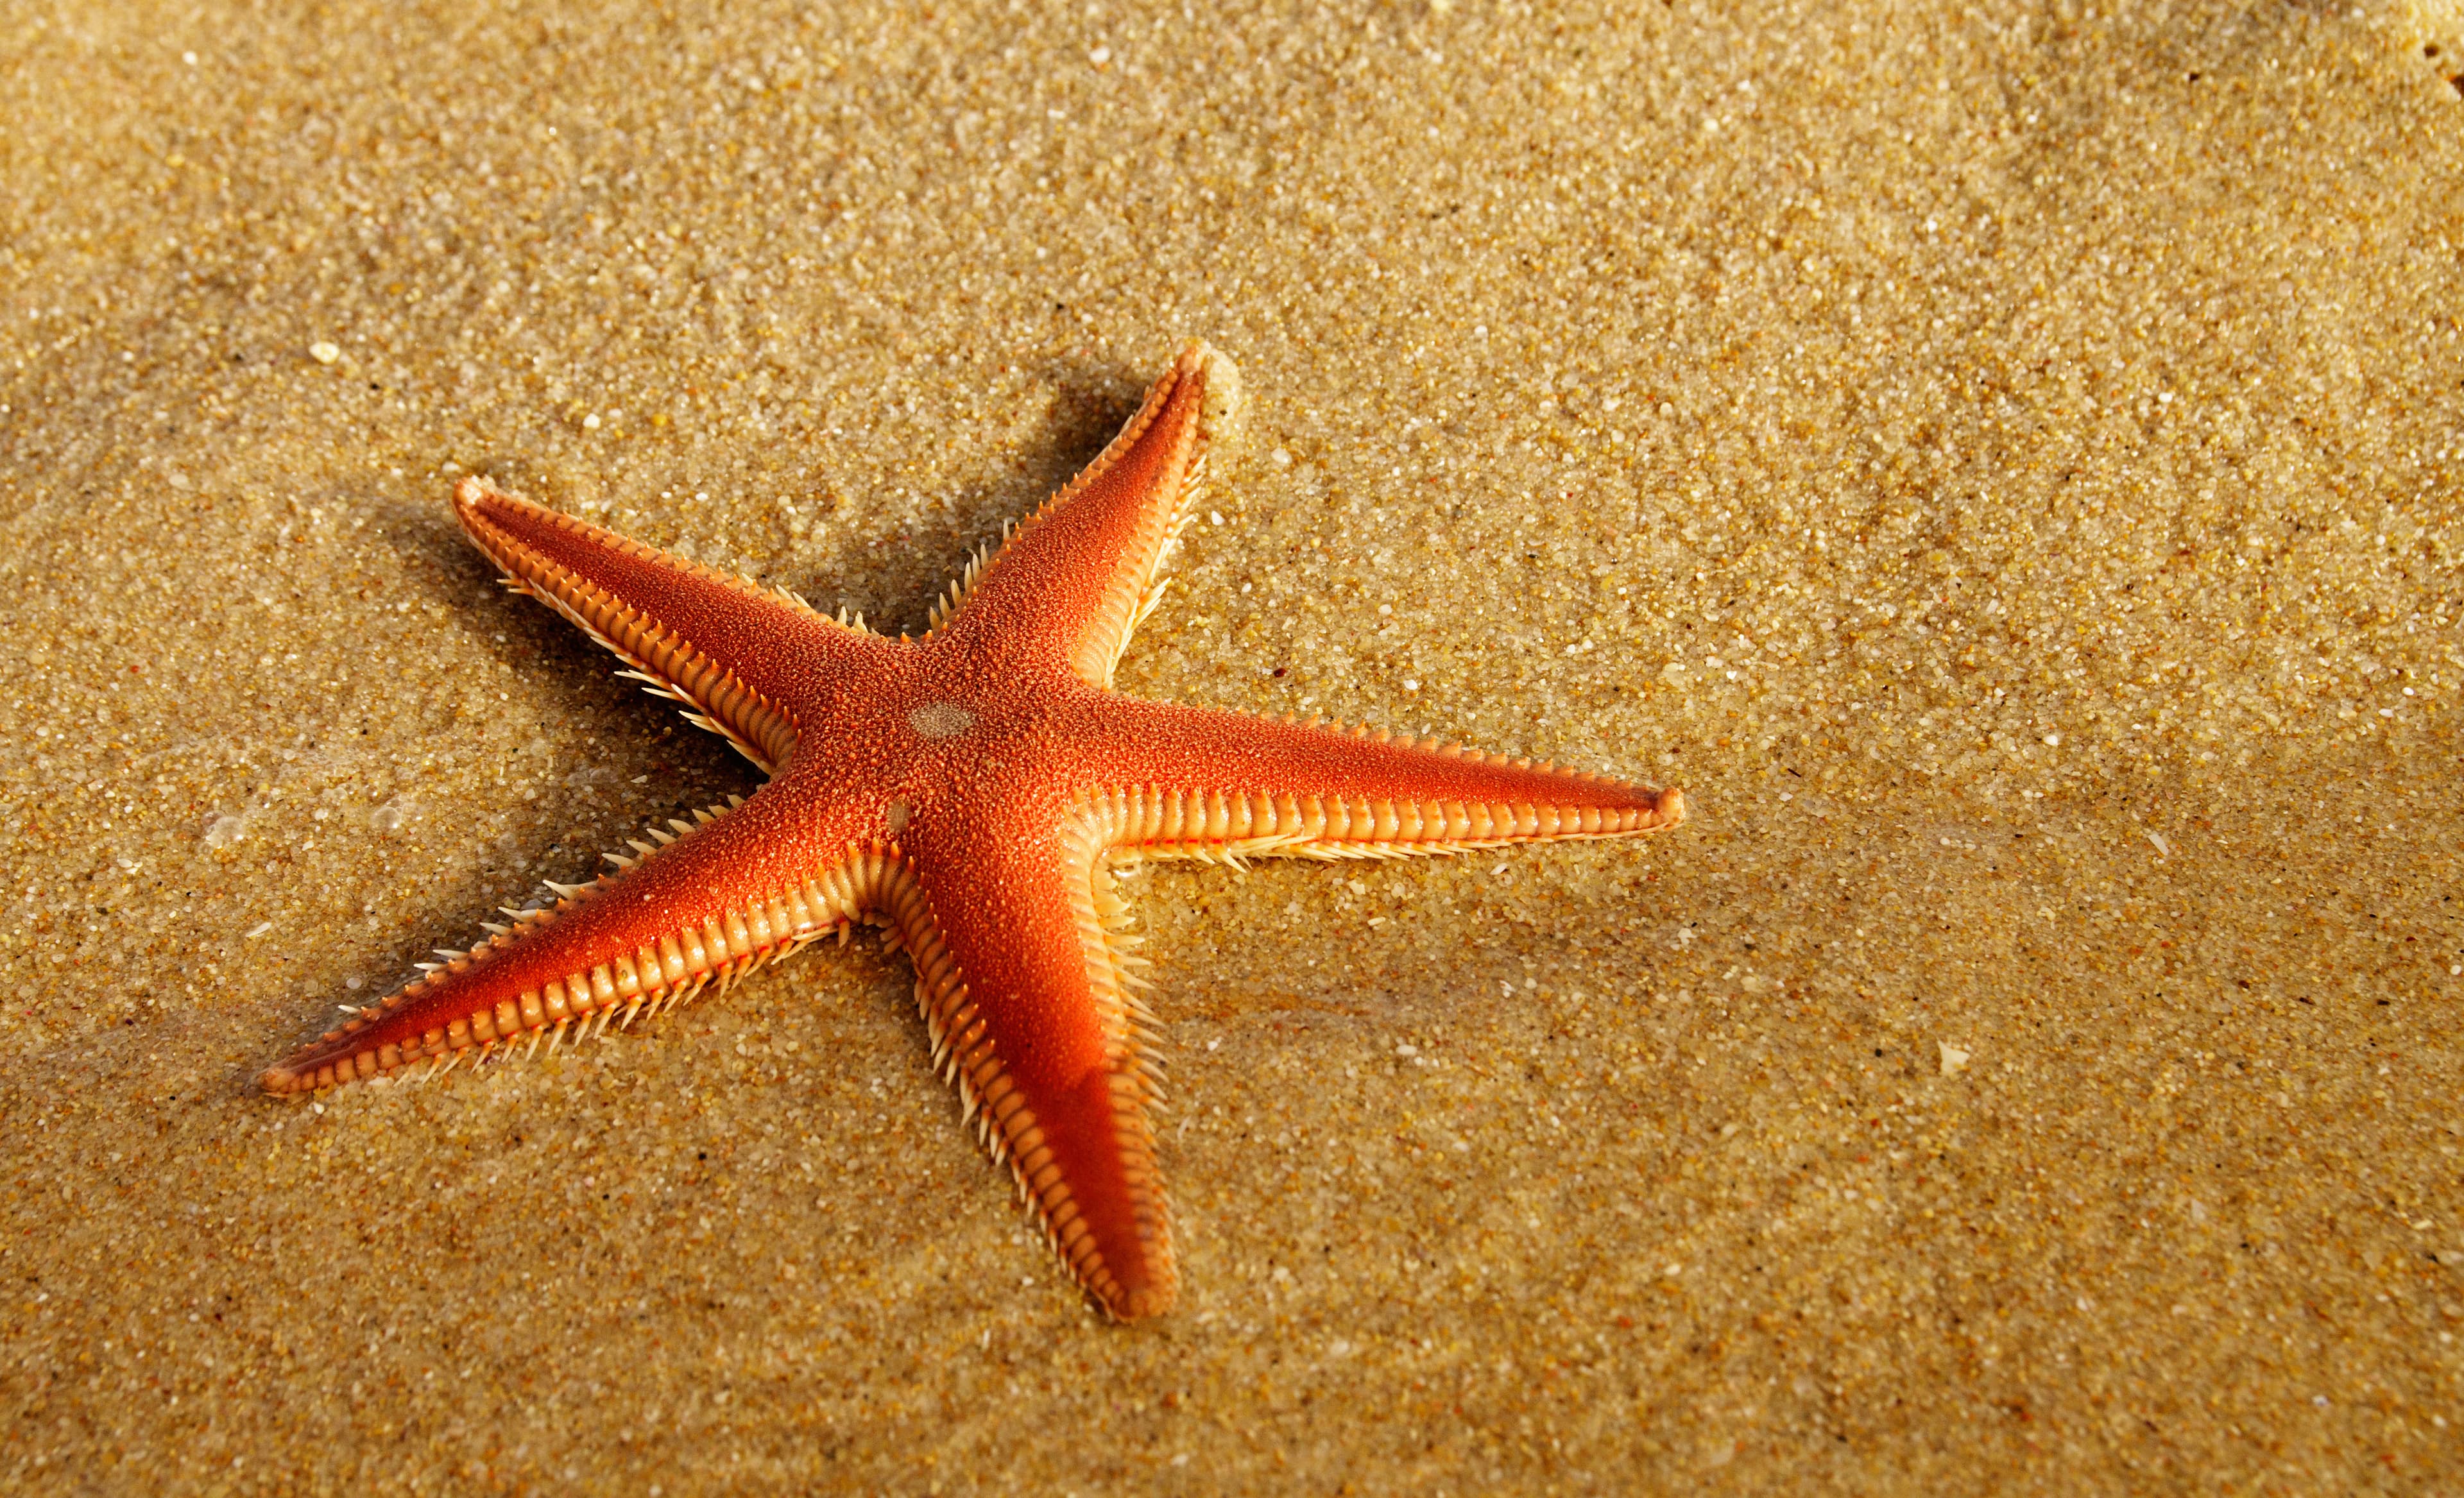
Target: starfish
[[971, 790]]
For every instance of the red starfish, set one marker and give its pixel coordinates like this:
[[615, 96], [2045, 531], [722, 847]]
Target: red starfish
[[969, 790]]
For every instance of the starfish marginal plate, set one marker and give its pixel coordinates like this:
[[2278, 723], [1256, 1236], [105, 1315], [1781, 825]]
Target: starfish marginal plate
[[970, 790]]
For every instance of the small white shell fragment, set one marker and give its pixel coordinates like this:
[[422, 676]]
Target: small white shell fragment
[[324, 353], [1954, 1060]]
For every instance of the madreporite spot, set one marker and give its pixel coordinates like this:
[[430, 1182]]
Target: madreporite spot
[[940, 720]]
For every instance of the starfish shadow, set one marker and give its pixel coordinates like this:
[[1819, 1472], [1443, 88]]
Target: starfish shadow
[[435, 566], [892, 574]]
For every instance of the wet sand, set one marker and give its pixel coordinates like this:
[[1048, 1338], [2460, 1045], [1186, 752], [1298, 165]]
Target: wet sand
[[2002, 466]]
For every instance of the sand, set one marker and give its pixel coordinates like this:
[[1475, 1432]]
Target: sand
[[2001, 462]]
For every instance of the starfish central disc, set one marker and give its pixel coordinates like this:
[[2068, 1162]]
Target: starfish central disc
[[940, 720]]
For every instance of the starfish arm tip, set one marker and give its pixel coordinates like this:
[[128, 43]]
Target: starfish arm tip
[[1152, 1300], [1222, 411]]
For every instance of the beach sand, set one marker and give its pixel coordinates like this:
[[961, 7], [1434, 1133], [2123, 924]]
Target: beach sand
[[2001, 462]]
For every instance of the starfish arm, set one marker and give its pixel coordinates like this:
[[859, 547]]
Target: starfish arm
[[712, 900], [743, 657], [1080, 574], [1023, 980], [1219, 785]]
